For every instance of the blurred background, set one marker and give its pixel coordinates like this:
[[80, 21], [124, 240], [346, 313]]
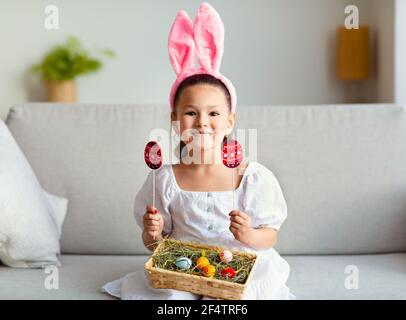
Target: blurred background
[[276, 51]]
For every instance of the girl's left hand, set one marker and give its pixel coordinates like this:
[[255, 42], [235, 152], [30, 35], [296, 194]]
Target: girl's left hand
[[240, 226]]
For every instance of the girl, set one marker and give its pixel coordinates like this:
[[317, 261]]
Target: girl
[[196, 197]]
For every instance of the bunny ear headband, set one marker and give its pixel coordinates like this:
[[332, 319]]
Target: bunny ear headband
[[206, 38]]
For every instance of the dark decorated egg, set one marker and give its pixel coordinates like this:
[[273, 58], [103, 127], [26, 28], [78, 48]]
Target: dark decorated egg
[[153, 155]]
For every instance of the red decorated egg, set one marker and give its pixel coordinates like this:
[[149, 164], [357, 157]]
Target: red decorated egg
[[228, 272], [232, 155], [153, 155]]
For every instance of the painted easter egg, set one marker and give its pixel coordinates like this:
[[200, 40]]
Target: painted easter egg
[[153, 155], [232, 154], [226, 256], [202, 262], [228, 272], [209, 270], [183, 263]]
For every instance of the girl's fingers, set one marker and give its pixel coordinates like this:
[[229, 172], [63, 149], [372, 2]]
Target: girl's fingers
[[235, 226], [149, 216], [153, 228], [238, 220], [151, 222], [236, 213], [151, 209], [233, 230]]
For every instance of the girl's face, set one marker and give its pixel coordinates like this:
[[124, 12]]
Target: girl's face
[[204, 116]]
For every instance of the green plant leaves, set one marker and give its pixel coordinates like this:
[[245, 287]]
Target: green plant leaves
[[68, 61]]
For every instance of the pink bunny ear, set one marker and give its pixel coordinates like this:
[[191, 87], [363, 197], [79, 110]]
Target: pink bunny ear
[[181, 44], [209, 37]]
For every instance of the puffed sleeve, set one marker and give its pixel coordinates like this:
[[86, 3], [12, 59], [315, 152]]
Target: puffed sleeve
[[162, 199], [265, 203]]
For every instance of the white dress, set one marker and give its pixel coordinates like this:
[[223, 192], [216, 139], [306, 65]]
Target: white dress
[[203, 217]]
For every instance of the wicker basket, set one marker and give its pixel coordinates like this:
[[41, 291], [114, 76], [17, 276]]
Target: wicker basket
[[214, 288]]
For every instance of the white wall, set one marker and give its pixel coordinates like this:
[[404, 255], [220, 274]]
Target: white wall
[[276, 51], [400, 52]]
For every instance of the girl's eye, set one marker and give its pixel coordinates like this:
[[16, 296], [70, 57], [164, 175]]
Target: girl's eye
[[192, 113]]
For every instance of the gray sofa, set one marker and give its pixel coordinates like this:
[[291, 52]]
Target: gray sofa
[[342, 169]]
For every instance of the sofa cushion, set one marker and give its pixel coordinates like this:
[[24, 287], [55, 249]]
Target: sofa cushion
[[30, 219], [341, 169], [80, 277], [381, 276], [312, 277]]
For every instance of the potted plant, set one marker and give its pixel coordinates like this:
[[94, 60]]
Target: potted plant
[[63, 64]]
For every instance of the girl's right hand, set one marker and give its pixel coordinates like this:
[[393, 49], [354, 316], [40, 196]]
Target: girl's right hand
[[153, 222]]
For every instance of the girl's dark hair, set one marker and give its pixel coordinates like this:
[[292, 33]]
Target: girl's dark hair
[[200, 79]]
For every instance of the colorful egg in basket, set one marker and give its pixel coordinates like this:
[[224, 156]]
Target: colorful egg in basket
[[183, 263], [226, 256]]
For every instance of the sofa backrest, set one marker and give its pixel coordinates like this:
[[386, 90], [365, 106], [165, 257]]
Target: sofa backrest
[[342, 169]]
